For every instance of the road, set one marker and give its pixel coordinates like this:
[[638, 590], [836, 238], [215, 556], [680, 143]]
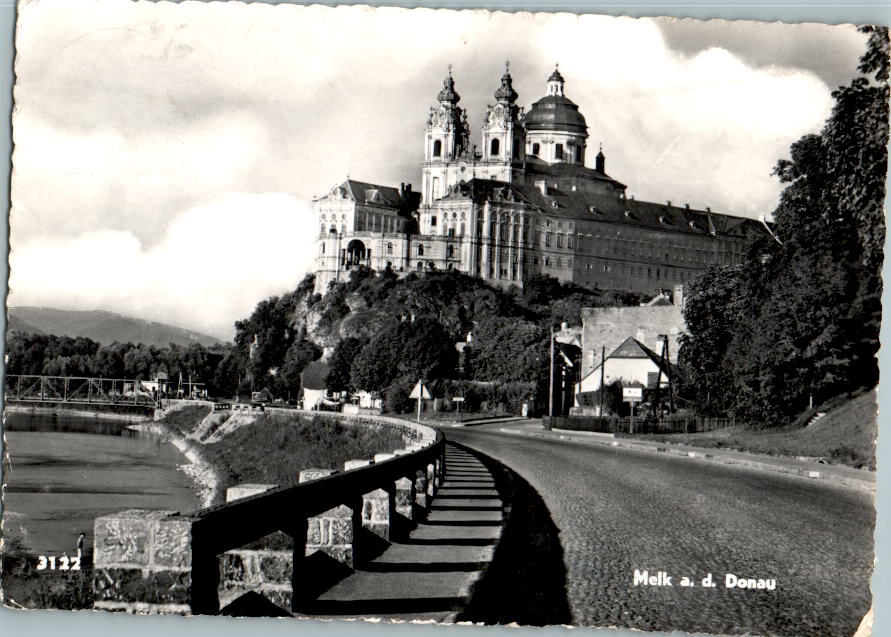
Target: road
[[618, 510]]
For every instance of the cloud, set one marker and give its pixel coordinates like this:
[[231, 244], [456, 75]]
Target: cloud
[[211, 266], [134, 119]]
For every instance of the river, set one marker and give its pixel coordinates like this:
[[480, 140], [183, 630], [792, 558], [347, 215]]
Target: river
[[68, 469]]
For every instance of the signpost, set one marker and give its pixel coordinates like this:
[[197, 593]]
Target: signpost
[[632, 395], [421, 393], [458, 400]]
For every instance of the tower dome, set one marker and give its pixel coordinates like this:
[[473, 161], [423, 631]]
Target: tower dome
[[448, 95], [555, 129], [555, 111], [506, 92]]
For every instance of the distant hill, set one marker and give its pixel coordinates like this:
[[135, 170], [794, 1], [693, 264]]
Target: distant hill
[[103, 327]]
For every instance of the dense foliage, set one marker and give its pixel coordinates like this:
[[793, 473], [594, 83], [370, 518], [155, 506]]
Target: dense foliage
[[799, 321], [47, 355]]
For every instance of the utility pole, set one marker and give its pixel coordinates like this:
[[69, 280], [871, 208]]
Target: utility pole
[[602, 376], [551, 384]]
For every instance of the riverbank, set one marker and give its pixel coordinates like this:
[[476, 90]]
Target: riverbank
[[174, 426], [85, 411]]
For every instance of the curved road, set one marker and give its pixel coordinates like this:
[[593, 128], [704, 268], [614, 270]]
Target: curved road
[[621, 510]]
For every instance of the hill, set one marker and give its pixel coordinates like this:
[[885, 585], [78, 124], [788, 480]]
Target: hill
[[102, 327], [846, 434]]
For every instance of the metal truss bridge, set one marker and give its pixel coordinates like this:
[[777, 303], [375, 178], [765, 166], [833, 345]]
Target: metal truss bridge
[[79, 390]]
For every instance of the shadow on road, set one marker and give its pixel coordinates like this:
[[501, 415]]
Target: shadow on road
[[526, 581]]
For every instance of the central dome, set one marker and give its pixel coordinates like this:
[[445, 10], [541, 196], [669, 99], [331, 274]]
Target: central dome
[[555, 113]]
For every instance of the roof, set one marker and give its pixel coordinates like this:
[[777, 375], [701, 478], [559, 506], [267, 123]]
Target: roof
[[363, 192], [634, 349], [313, 375], [587, 205], [555, 113]]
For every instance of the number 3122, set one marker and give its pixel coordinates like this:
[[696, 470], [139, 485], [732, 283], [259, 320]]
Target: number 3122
[[63, 563]]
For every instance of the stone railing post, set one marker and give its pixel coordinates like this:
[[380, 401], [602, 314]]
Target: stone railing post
[[142, 562], [377, 506], [266, 568], [333, 531]]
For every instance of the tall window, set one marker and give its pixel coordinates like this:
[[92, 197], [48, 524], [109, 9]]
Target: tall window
[[420, 249], [558, 151], [389, 248], [433, 221], [495, 147], [559, 240], [536, 149], [437, 148], [516, 147], [450, 252]]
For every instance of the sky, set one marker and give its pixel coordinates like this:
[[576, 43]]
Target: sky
[[165, 156]]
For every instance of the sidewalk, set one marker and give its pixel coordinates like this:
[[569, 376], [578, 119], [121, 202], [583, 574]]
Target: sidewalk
[[834, 474], [428, 576]]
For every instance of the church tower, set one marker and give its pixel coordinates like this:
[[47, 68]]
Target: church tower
[[504, 137], [446, 139]]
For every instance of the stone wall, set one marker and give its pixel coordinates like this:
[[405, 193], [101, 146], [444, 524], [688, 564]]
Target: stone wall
[[142, 562]]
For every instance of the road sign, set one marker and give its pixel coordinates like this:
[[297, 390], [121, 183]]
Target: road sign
[[632, 394], [420, 391], [458, 399]]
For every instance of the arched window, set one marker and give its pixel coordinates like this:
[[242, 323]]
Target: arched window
[[536, 149], [420, 249], [420, 266], [450, 252], [437, 148], [389, 248], [495, 147]]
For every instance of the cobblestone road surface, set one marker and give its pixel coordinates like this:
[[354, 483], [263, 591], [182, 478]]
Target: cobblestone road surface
[[620, 510]]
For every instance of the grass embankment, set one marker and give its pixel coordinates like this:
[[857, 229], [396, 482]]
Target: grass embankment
[[185, 419], [845, 435], [277, 447]]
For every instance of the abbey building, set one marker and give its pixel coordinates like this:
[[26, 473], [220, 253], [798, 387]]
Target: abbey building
[[522, 203]]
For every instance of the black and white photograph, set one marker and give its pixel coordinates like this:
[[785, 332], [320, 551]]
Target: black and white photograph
[[444, 316]]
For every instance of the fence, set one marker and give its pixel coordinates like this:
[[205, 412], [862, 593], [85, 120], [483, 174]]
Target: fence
[[162, 562], [609, 424]]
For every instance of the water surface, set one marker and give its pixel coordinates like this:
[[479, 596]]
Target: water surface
[[65, 470]]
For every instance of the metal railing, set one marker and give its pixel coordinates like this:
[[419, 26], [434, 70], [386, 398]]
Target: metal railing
[[78, 390]]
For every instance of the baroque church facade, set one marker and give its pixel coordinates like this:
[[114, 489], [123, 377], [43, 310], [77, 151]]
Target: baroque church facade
[[524, 203]]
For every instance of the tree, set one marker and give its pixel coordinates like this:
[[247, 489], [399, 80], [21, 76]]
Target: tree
[[341, 362], [800, 320], [405, 349]]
